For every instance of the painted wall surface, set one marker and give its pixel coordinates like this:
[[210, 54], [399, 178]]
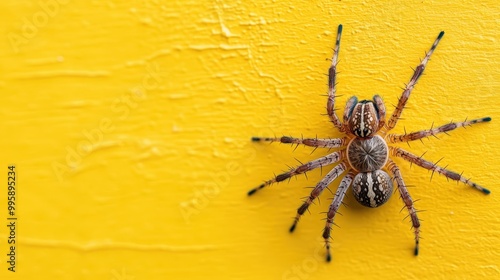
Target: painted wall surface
[[129, 126]]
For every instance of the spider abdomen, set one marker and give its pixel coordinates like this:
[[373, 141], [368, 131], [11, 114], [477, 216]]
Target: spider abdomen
[[372, 189], [367, 155]]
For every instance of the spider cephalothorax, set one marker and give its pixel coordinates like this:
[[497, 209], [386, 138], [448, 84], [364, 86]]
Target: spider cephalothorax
[[364, 154], [365, 118]]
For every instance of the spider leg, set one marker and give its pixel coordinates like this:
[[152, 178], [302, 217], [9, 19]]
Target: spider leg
[[337, 200], [332, 77], [405, 196], [311, 142], [395, 138], [381, 111], [435, 168], [411, 84], [326, 160], [332, 175]]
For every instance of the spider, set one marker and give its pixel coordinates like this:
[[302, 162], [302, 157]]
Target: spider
[[363, 152]]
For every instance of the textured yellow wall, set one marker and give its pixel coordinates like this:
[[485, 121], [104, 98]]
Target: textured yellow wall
[[129, 123]]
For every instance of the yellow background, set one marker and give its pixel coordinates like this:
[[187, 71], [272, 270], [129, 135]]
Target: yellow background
[[130, 123]]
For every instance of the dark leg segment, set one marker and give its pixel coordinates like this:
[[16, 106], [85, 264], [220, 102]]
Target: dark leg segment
[[332, 211], [431, 166], [326, 160], [332, 175], [411, 84], [395, 138], [405, 196], [332, 78], [311, 142]]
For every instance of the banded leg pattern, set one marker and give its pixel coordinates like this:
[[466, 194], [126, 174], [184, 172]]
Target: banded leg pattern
[[396, 138], [311, 142], [405, 196], [326, 160], [332, 84], [435, 168], [332, 211], [330, 177], [411, 84]]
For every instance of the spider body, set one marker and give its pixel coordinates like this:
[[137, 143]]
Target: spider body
[[363, 153], [367, 155]]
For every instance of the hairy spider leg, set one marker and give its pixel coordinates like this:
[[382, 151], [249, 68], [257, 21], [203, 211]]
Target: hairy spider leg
[[332, 86], [326, 160], [435, 168], [334, 207], [311, 142], [330, 177], [411, 84], [396, 138], [405, 196]]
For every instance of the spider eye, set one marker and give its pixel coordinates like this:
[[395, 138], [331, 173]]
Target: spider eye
[[363, 120]]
